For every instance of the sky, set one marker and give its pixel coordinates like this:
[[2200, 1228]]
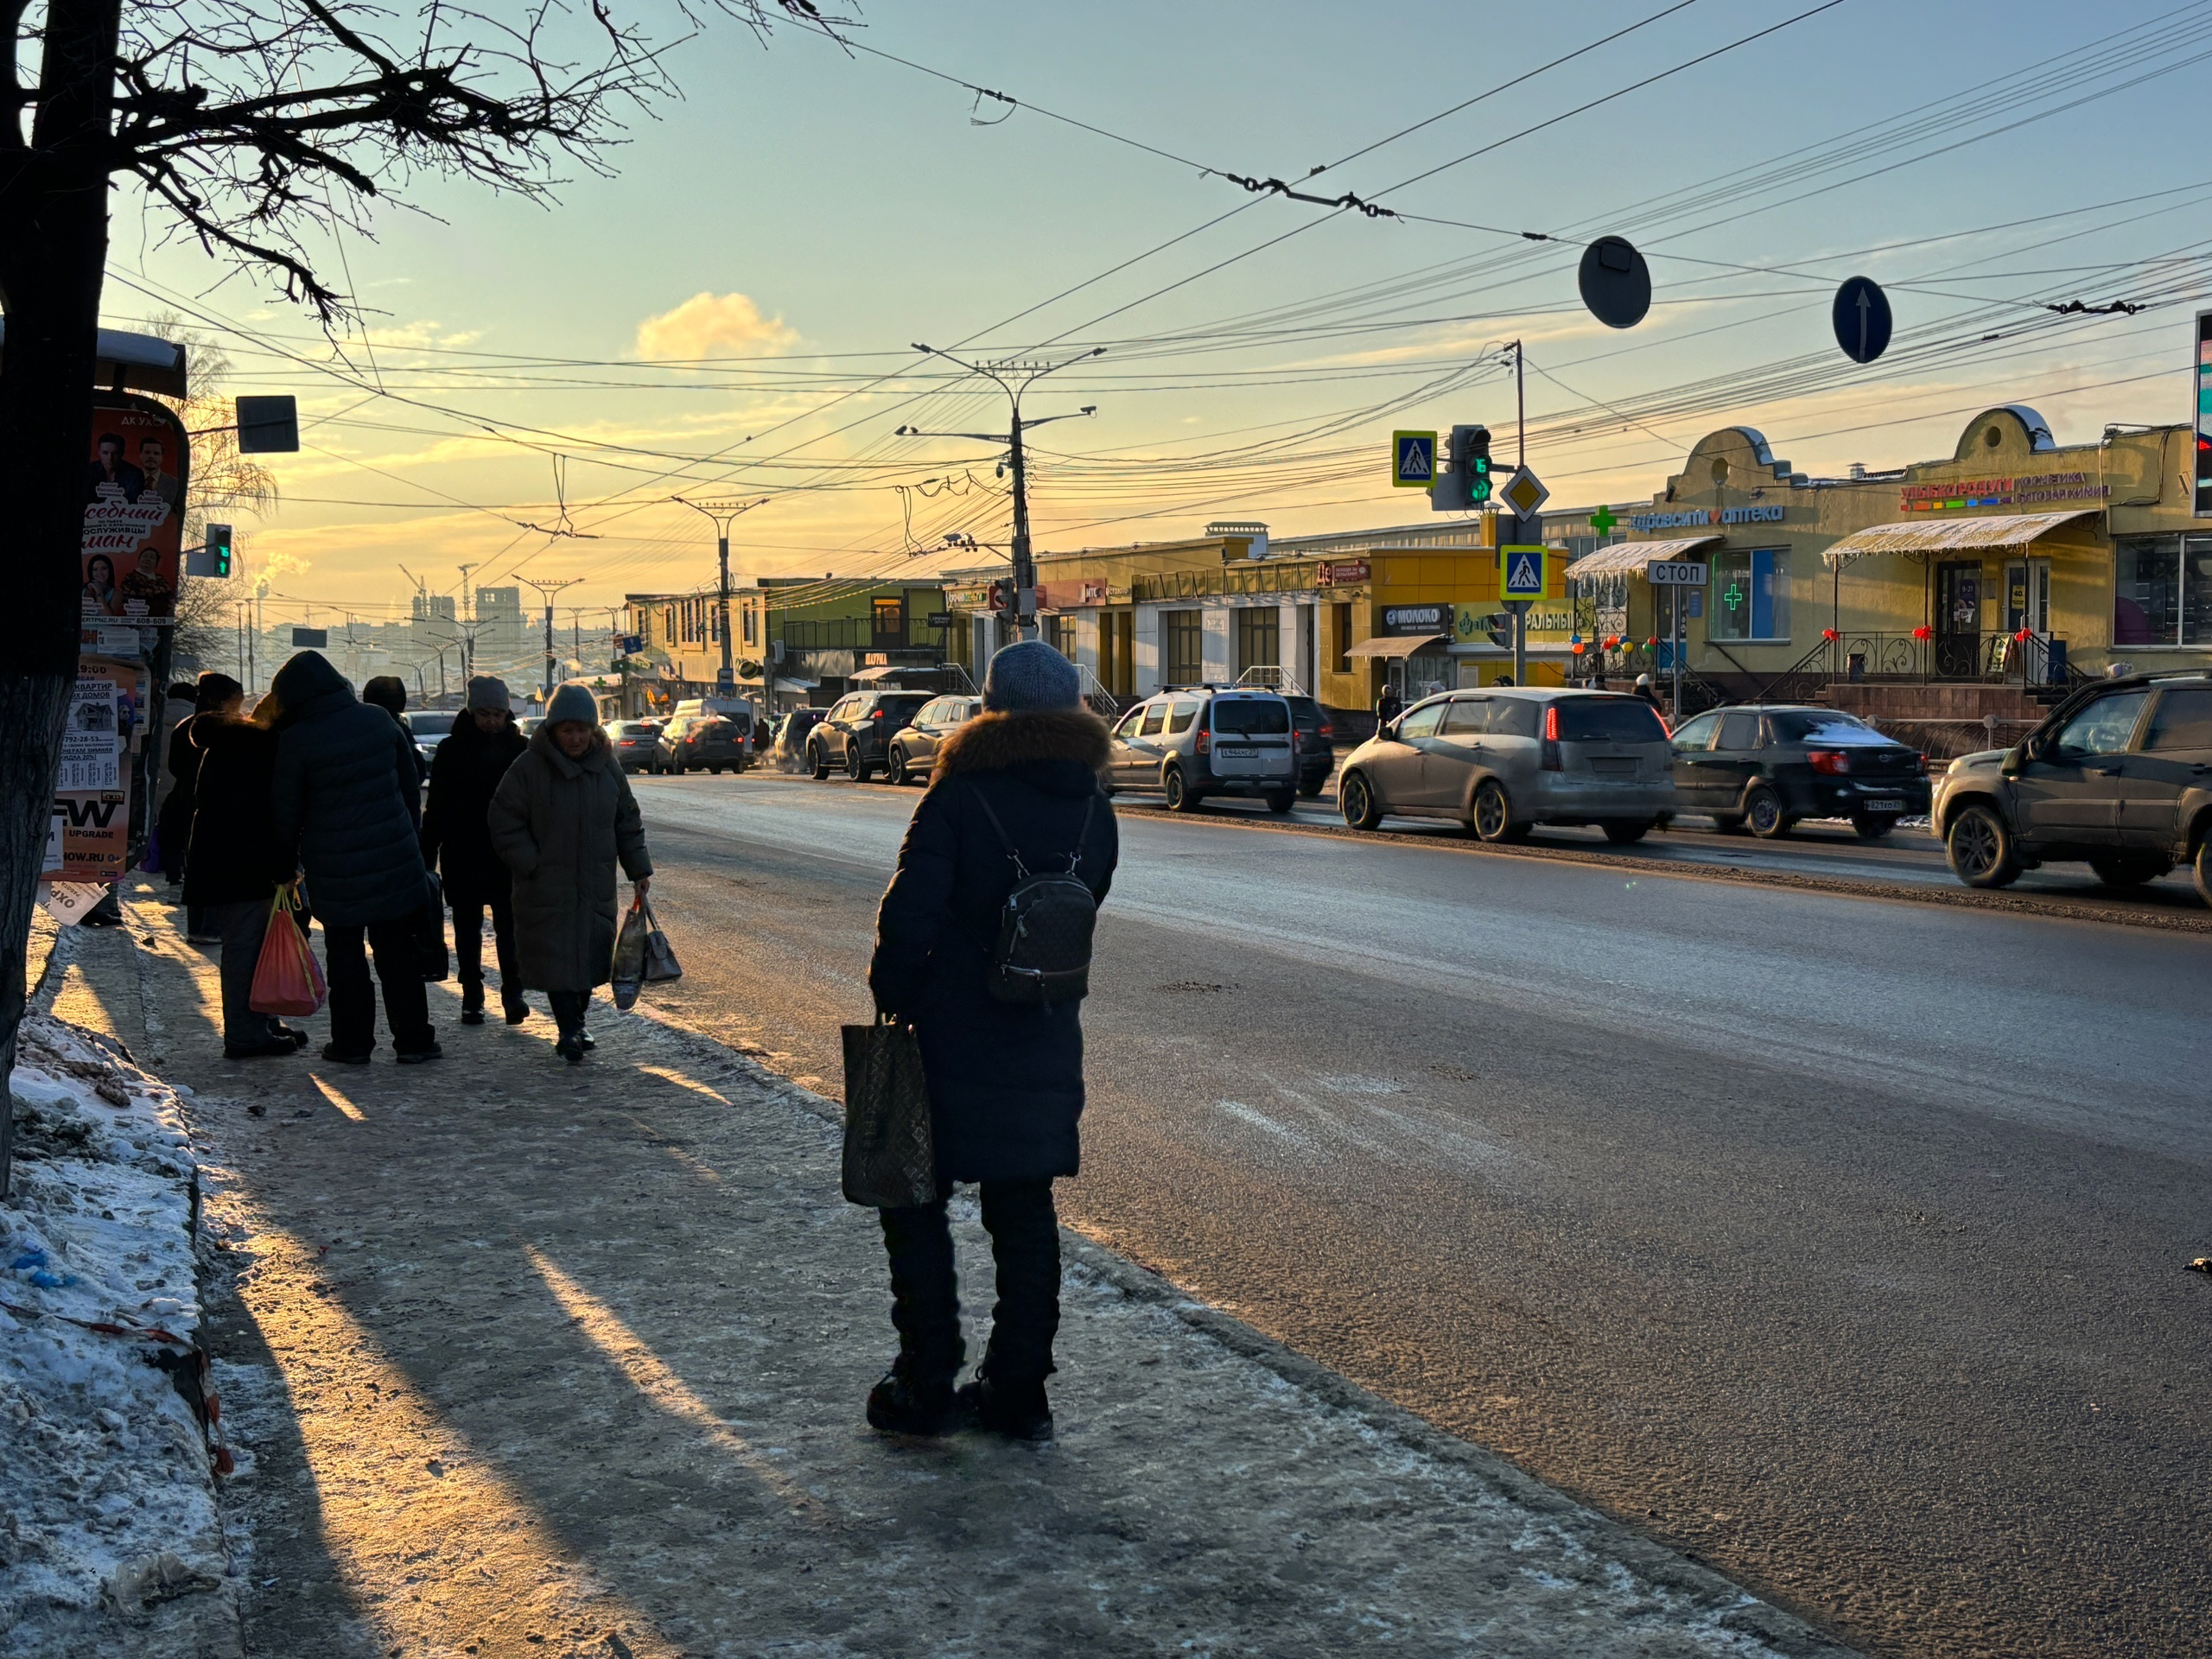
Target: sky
[[731, 316]]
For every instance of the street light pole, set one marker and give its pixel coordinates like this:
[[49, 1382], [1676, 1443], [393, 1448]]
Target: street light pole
[[545, 591], [724, 514], [1013, 379]]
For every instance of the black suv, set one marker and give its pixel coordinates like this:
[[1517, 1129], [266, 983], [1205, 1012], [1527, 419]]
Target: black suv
[[1317, 745], [855, 733], [2120, 777], [691, 743], [1763, 768]]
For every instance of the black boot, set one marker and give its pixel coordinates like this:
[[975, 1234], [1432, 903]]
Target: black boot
[[916, 1397], [917, 1404], [1018, 1411], [472, 1002]]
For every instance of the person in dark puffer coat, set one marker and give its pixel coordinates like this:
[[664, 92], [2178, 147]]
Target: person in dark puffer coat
[[229, 873], [562, 819], [1005, 1080], [348, 810], [465, 769], [214, 694]]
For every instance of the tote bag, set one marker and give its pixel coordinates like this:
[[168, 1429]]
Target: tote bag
[[890, 1156]]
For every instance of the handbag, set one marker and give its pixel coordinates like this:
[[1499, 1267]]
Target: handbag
[[660, 955], [429, 926], [890, 1154], [286, 978], [628, 971]]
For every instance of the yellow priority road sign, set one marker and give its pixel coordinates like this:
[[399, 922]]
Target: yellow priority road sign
[[1521, 572], [1412, 459]]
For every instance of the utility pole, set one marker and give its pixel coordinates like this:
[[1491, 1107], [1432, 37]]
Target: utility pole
[[545, 591], [468, 636], [1013, 379], [723, 514]]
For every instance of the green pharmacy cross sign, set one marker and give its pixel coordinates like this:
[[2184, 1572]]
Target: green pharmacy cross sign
[[1733, 597], [1603, 521]]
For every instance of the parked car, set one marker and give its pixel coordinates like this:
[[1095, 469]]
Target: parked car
[[633, 742], [788, 751], [913, 751], [431, 727], [1502, 761], [529, 723], [1317, 744], [1192, 741], [690, 742], [855, 735], [2119, 778], [1765, 767]]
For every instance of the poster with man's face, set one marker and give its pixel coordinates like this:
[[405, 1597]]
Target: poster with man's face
[[134, 512]]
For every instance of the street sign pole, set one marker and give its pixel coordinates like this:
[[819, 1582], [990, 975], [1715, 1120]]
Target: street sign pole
[[1520, 608], [1677, 609]]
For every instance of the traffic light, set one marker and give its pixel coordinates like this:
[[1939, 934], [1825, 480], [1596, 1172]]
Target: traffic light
[[218, 550], [1464, 481]]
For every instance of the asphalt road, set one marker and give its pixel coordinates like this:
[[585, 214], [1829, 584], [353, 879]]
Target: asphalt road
[[1839, 1241]]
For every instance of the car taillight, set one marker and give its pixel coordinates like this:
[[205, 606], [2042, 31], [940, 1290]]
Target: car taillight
[[1205, 744], [878, 715], [1326, 731], [1833, 762], [1295, 740], [1920, 764], [1550, 759]]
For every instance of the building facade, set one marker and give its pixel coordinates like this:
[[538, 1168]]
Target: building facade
[[811, 636]]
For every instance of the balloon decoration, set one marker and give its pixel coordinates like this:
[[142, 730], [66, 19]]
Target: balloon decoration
[[1828, 634], [1923, 634]]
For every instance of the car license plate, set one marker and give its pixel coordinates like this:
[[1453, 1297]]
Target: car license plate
[[1240, 754], [1885, 806]]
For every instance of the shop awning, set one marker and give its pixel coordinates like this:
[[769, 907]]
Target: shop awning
[[1394, 646], [1951, 535], [1632, 557]]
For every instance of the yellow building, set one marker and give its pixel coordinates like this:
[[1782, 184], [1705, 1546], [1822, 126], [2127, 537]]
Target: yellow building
[[1982, 583]]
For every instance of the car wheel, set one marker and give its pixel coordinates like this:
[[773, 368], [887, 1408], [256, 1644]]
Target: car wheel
[[2125, 872], [1980, 849], [894, 768], [1762, 811], [1357, 803], [714, 771], [856, 766], [817, 760], [1622, 831], [2203, 862], [1311, 791], [1492, 817], [1873, 827], [1281, 800], [1181, 798]]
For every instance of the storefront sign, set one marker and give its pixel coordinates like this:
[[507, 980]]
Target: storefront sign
[[1550, 623], [1064, 595], [1703, 517], [1345, 573], [1400, 621], [977, 598], [134, 511], [2029, 490]]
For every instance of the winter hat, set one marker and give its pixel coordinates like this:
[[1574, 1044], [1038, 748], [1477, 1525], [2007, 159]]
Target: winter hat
[[487, 691], [1030, 677], [572, 702], [386, 691]]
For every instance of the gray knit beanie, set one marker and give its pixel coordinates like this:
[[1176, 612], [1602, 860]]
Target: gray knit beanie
[[488, 691], [1030, 677], [572, 702]]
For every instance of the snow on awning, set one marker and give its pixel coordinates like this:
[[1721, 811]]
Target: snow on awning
[[1951, 535], [1632, 557], [1394, 646]]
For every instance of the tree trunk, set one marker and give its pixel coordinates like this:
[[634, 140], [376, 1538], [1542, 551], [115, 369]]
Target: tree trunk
[[52, 255]]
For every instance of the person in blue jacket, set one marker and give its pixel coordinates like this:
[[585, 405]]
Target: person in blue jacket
[[1005, 1079]]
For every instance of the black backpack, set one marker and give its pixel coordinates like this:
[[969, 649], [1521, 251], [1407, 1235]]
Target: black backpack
[[1043, 954]]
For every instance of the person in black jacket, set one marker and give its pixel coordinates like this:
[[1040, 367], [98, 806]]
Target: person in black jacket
[[465, 769], [348, 810], [229, 873], [215, 694], [389, 693], [1005, 1080]]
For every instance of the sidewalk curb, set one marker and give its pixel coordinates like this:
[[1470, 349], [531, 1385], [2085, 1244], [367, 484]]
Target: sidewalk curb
[[1781, 1629]]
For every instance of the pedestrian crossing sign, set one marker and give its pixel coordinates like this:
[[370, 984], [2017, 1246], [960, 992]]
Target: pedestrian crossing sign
[[1412, 459], [1521, 572]]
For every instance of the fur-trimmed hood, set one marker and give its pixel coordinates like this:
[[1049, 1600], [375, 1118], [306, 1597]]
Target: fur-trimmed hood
[[996, 743]]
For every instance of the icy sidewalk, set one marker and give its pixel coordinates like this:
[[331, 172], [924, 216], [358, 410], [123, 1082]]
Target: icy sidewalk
[[110, 1541], [540, 1360]]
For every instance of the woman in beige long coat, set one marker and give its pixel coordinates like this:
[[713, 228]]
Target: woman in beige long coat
[[562, 819]]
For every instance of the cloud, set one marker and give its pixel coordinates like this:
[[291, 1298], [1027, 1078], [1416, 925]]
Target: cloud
[[712, 325]]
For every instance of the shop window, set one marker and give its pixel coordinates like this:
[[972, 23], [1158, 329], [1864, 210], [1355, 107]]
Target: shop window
[[1060, 635], [1749, 595], [1182, 647], [2162, 590], [890, 621], [1259, 636], [1340, 626], [749, 620]]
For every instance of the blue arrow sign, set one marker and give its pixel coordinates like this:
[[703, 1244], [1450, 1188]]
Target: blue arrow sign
[[1412, 459]]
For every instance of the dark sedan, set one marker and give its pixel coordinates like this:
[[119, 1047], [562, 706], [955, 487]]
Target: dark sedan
[[632, 742], [1765, 769], [697, 743]]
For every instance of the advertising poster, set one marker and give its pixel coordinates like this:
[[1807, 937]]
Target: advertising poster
[[135, 470], [2202, 385], [90, 839]]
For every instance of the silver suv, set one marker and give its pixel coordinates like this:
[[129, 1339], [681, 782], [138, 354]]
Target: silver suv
[[1192, 741], [1502, 761]]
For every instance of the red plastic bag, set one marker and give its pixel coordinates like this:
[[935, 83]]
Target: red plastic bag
[[286, 979]]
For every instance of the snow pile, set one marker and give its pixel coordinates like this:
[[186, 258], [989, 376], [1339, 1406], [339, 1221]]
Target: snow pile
[[107, 1503]]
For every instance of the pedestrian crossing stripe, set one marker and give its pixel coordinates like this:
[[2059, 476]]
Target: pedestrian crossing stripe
[[1412, 459]]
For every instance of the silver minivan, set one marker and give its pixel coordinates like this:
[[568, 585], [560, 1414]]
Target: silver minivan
[[1502, 760], [1192, 741]]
